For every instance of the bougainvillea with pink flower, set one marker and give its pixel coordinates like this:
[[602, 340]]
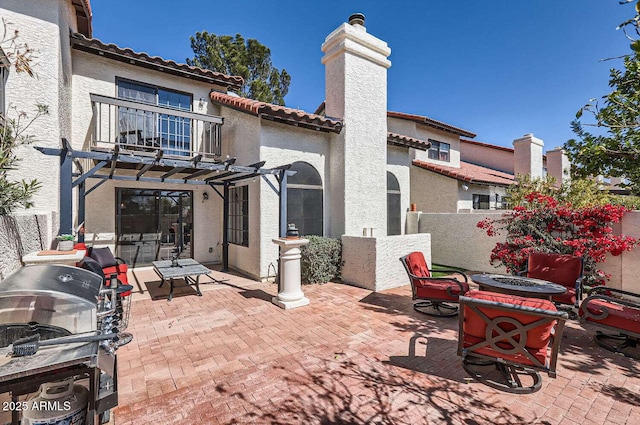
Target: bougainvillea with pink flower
[[544, 224]]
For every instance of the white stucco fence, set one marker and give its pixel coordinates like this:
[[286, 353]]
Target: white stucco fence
[[457, 241], [21, 234], [374, 262]]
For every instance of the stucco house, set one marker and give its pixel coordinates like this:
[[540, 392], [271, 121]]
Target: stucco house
[[166, 154]]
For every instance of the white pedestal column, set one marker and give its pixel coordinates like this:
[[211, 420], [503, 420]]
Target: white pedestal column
[[290, 292]]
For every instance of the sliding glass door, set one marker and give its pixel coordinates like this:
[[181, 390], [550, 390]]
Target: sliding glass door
[[153, 225]]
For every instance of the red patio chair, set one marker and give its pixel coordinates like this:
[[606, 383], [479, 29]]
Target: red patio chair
[[110, 264], [436, 293], [505, 340], [616, 310], [563, 269]]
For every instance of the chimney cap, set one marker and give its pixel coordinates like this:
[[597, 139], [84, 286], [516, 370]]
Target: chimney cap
[[356, 19]]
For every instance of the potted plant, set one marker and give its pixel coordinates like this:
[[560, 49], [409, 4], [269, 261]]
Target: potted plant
[[65, 242]]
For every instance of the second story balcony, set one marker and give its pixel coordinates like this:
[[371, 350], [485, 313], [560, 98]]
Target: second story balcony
[[143, 127]]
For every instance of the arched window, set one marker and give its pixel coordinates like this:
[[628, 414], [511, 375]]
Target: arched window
[[394, 213], [304, 199]]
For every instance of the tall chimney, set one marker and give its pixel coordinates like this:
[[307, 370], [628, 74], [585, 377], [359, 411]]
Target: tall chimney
[[528, 156], [558, 165], [356, 91]]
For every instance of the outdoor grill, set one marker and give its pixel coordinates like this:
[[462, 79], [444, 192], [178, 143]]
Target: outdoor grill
[[55, 301]]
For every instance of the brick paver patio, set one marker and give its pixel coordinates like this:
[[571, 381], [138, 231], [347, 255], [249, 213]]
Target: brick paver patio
[[351, 357]]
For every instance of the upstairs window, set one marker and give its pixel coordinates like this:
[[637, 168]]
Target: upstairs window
[[439, 150], [150, 129]]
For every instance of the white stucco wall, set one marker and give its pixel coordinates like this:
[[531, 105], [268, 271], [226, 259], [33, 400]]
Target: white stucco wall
[[95, 74], [399, 164], [457, 241], [465, 197], [558, 165], [283, 144], [22, 234], [374, 262], [495, 158], [241, 140], [100, 216], [356, 91], [625, 268], [432, 192], [528, 158], [40, 25], [425, 132]]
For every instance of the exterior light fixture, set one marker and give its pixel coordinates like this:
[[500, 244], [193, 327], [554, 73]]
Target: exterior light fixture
[[205, 196], [465, 187], [201, 103]]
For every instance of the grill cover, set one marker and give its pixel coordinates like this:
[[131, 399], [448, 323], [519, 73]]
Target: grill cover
[[52, 295]]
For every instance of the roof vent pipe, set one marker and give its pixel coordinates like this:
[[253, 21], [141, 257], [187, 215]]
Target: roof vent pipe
[[356, 19]]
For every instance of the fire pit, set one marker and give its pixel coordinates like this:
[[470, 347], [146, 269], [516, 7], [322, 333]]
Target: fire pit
[[518, 285]]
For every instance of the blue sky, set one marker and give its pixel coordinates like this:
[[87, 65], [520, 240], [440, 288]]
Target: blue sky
[[498, 68]]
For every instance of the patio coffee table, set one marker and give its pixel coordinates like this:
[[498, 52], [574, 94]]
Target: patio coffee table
[[186, 268], [518, 285]]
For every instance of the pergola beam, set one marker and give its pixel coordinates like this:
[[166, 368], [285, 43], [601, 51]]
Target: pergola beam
[[230, 177]]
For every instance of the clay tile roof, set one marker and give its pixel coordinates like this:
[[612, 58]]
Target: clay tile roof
[[83, 16], [469, 173], [431, 123], [406, 141], [277, 113], [95, 46], [487, 145]]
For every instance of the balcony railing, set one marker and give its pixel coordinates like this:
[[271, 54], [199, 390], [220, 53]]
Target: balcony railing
[[149, 128]]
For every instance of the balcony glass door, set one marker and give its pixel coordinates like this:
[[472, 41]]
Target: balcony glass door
[[153, 225], [152, 130]]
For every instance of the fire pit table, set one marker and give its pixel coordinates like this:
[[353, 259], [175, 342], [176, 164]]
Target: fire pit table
[[517, 285], [185, 269]]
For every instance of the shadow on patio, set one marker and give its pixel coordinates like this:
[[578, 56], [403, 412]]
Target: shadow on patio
[[350, 357]]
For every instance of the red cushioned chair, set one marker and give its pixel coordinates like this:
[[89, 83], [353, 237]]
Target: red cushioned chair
[[563, 269], [111, 264], [436, 293], [505, 340], [616, 310]]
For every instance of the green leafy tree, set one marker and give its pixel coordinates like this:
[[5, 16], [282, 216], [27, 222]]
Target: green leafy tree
[[614, 150], [579, 193], [248, 59], [613, 147], [14, 125]]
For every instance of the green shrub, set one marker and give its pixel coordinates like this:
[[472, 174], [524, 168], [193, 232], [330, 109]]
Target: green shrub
[[321, 259]]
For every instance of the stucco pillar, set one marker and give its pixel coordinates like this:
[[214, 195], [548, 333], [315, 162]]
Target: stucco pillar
[[290, 293], [356, 91], [558, 165], [528, 156]]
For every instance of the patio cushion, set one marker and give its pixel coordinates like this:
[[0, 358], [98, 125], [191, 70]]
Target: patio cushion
[[620, 316], [538, 338], [437, 289], [104, 257], [92, 265], [563, 269], [417, 266], [568, 297]]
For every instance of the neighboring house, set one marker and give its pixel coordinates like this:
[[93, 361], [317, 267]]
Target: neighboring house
[[164, 136]]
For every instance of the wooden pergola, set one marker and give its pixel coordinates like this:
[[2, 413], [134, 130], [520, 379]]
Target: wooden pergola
[[109, 164]]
